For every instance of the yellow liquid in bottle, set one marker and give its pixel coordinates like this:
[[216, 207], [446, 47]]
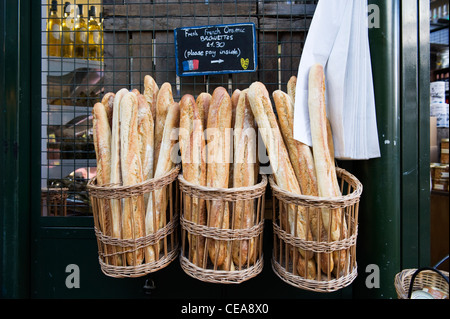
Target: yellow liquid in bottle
[[81, 37], [94, 39], [67, 39], [53, 34]]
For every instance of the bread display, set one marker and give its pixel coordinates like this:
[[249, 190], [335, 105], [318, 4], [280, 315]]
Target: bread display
[[136, 139]]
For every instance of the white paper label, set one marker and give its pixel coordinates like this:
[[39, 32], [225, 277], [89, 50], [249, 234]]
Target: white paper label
[[56, 32]]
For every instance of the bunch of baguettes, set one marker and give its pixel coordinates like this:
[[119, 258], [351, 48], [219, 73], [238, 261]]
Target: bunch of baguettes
[[133, 142], [301, 169], [218, 150]]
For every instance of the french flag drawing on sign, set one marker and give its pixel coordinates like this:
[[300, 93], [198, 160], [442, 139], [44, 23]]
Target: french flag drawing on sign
[[190, 65]]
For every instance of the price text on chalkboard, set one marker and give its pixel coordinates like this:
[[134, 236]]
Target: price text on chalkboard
[[215, 49]]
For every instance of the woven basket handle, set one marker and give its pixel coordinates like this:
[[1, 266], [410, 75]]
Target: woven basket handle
[[420, 270]]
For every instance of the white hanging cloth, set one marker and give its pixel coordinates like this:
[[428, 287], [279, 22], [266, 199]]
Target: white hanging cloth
[[338, 39]]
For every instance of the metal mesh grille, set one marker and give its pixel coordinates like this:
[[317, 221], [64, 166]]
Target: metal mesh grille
[[138, 40]]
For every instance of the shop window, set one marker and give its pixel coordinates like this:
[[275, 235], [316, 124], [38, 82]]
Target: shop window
[[92, 47]]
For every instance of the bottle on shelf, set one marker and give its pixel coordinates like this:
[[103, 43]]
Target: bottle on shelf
[[95, 31], [100, 47], [66, 27], [81, 35], [54, 31]]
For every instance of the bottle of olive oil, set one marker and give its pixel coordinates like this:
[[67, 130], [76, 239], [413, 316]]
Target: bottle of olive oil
[[54, 31], [66, 26], [81, 35], [94, 31]]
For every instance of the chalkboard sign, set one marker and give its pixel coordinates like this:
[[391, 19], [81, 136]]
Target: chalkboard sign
[[215, 49]]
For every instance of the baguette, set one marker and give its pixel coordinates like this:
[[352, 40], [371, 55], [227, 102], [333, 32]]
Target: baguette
[[116, 175], [219, 139], [203, 100], [146, 137], [193, 158], [163, 102], [234, 103], [245, 174], [102, 145], [306, 268], [165, 164], [291, 87], [108, 103], [283, 171], [151, 90], [146, 149], [325, 168], [300, 154], [133, 222]]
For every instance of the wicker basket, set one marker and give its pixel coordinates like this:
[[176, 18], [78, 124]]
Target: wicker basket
[[201, 243], [54, 201], [315, 263], [136, 257], [410, 280]]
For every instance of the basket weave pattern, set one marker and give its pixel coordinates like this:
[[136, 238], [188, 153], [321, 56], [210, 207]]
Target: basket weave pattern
[[112, 251], [316, 263], [425, 278], [200, 242]]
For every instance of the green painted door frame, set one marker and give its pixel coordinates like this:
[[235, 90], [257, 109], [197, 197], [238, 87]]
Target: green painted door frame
[[394, 219], [16, 144], [394, 231]]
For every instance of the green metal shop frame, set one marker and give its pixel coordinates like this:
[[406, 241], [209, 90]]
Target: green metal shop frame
[[394, 222]]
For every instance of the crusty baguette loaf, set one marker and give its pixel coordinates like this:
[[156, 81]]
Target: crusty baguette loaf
[[166, 161], [300, 154], [234, 102], [163, 102], [203, 100], [291, 87], [218, 166], [133, 220], [245, 174], [306, 268], [116, 174], [146, 149], [283, 171], [102, 145], [325, 168], [303, 163], [108, 102], [146, 137], [151, 90], [193, 158]]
